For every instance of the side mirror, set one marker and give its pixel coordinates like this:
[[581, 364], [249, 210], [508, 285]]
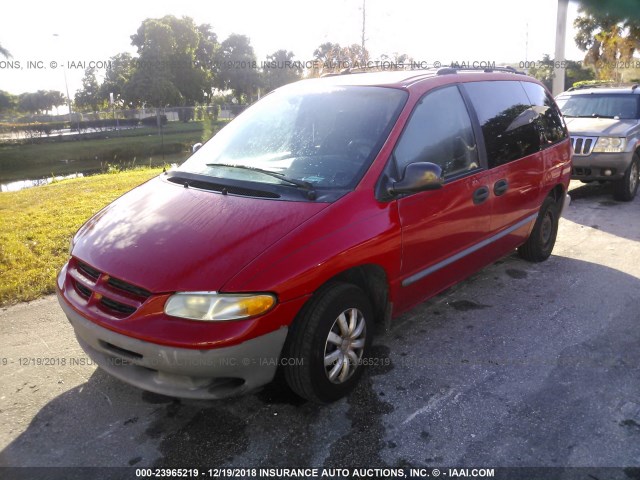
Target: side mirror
[[195, 147], [418, 177]]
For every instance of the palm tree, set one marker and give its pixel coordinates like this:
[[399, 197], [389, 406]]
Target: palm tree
[[4, 52]]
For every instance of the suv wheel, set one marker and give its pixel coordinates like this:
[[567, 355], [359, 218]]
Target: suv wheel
[[329, 341], [625, 189], [540, 243]]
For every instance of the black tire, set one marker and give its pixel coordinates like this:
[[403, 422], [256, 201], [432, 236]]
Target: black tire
[[625, 189], [539, 245], [309, 342]]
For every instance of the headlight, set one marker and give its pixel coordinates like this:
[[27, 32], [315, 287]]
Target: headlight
[[212, 306], [610, 145]]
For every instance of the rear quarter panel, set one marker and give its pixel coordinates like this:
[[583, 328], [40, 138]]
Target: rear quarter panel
[[557, 167]]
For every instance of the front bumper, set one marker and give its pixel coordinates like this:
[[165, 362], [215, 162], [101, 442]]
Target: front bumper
[[593, 166], [180, 372]]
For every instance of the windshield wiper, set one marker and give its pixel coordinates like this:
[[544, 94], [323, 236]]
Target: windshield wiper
[[311, 193]]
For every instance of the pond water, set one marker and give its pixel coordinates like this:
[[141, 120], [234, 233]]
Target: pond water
[[21, 184], [21, 135], [67, 169]]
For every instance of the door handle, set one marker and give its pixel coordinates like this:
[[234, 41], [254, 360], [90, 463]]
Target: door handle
[[480, 195], [500, 187]]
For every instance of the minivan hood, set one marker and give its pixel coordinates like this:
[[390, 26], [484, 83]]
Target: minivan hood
[[164, 237], [600, 127]]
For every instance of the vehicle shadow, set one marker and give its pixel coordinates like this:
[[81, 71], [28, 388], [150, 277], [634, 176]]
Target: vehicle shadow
[[107, 423], [598, 210]]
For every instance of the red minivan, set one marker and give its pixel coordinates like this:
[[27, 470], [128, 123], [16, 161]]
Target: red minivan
[[328, 207]]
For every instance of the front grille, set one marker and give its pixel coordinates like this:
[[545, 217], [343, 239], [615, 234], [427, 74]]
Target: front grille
[[99, 291], [127, 287], [91, 272], [82, 290], [583, 145], [118, 307]]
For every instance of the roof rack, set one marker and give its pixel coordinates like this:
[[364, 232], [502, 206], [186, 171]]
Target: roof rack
[[453, 69], [348, 71], [366, 69], [604, 84], [344, 71], [435, 70]]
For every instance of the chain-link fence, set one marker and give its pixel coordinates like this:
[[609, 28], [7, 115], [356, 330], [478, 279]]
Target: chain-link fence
[[34, 126]]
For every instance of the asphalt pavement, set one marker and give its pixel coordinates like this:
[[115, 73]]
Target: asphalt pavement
[[521, 365]]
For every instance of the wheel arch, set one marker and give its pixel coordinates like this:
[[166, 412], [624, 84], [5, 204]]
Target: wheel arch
[[557, 193], [372, 279]]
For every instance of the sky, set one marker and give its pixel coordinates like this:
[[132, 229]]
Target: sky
[[453, 30]]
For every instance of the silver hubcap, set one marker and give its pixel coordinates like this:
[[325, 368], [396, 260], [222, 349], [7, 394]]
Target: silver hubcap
[[345, 345]]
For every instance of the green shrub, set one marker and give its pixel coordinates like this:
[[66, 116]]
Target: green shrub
[[153, 122]]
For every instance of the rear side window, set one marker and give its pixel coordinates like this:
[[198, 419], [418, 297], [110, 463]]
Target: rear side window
[[439, 131], [507, 120], [549, 120]]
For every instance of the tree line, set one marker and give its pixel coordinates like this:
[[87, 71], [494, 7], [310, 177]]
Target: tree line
[[180, 63], [608, 31]]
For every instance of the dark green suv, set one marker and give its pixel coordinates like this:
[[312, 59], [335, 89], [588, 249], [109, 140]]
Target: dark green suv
[[604, 125]]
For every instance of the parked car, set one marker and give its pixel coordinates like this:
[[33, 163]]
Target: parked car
[[324, 210], [604, 125]]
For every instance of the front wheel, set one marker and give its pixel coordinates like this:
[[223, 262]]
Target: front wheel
[[540, 243], [625, 189], [328, 342]]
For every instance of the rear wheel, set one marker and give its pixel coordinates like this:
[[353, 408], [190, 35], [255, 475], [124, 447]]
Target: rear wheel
[[625, 189], [540, 243], [328, 342]]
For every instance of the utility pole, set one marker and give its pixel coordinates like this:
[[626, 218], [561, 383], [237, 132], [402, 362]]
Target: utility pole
[[364, 17], [526, 51], [559, 60], [66, 86]]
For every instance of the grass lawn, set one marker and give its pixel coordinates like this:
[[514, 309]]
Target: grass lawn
[[37, 223]]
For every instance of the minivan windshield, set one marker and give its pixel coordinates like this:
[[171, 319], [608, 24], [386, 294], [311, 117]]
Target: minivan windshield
[[620, 106], [322, 137]]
